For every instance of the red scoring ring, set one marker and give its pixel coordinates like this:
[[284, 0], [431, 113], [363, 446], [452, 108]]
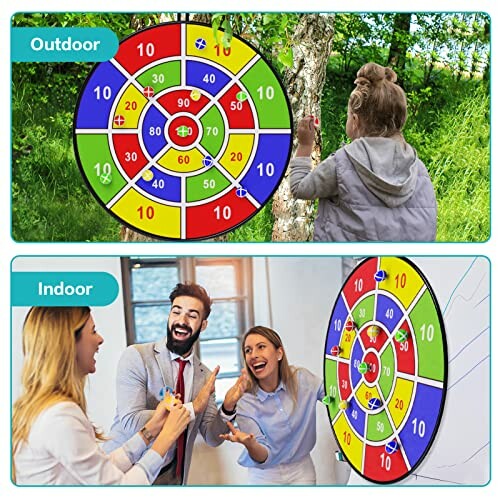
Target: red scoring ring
[[371, 359], [179, 127]]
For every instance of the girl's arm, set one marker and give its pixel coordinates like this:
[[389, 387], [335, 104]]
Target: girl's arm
[[305, 183]]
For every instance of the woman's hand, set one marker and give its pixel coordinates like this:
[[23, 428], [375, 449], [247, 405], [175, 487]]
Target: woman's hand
[[234, 394], [237, 436], [257, 451], [156, 422], [175, 424]]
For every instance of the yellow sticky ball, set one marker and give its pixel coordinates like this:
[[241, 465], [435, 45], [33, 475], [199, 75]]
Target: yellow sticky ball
[[147, 175], [343, 405], [195, 95], [373, 331]]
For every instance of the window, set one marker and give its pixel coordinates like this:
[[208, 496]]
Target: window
[[147, 283]]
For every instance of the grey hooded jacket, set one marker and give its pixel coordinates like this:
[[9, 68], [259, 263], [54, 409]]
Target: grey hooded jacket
[[374, 189]]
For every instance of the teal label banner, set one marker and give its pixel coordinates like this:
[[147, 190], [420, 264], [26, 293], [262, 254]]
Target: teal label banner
[[62, 44], [63, 289]]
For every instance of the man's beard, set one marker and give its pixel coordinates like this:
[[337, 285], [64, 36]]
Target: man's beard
[[181, 347]]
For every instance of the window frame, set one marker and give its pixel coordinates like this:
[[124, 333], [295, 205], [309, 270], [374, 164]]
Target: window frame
[[186, 268]]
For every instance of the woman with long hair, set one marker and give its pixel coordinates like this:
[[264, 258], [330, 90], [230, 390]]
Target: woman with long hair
[[53, 441], [276, 417]]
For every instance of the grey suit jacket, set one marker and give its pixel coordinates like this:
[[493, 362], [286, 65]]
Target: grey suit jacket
[[143, 370]]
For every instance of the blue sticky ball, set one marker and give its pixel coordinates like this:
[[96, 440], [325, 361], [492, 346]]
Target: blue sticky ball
[[380, 276], [200, 43], [374, 403], [164, 391], [208, 161], [391, 447], [241, 192]]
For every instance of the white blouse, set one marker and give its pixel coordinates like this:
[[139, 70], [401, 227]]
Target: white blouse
[[62, 449]]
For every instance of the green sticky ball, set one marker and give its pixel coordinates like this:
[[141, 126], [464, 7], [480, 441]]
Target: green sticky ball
[[105, 179], [363, 367], [401, 335]]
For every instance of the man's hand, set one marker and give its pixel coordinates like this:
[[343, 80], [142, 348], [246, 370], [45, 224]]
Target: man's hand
[[234, 394], [201, 400]]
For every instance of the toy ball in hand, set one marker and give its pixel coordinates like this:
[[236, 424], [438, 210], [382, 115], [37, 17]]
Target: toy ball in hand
[[168, 396]]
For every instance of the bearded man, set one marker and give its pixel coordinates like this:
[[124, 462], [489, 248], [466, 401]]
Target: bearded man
[[144, 370]]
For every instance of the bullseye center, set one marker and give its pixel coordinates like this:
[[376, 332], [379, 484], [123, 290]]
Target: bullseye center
[[183, 131], [372, 360]]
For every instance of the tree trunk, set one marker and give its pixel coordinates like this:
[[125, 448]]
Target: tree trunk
[[312, 45], [399, 41]]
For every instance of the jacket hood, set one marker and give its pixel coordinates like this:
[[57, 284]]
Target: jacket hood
[[387, 167]]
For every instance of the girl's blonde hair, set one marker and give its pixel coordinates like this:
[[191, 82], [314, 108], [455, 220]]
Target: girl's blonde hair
[[50, 374], [287, 373], [378, 101]]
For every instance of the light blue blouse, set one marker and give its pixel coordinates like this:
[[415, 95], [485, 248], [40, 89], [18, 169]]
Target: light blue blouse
[[288, 433]]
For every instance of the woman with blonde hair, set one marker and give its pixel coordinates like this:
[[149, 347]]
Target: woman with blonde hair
[[53, 441], [276, 417], [375, 188]]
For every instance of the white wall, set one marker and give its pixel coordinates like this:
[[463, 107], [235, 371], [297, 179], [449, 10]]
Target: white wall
[[302, 293], [109, 320]]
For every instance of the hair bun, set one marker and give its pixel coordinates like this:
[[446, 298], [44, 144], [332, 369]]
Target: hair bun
[[374, 73], [390, 75]]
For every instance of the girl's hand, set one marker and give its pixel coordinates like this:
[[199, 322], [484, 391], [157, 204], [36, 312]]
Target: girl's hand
[[306, 130]]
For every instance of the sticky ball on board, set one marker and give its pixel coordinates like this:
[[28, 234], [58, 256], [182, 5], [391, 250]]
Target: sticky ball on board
[[343, 405], [350, 325], [195, 95], [380, 275], [374, 403], [200, 43], [327, 400], [391, 447], [105, 178], [363, 367], [373, 331], [335, 350], [401, 335], [241, 96], [148, 92], [119, 120], [147, 175]]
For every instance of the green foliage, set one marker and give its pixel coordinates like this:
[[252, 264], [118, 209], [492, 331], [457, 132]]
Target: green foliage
[[455, 148], [270, 33]]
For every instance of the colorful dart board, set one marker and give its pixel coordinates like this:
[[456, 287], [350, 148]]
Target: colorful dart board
[[182, 138], [385, 368]]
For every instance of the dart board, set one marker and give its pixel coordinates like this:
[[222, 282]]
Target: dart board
[[385, 368], [180, 137]]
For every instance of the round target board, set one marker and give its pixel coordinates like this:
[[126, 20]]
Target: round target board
[[182, 138], [385, 368]]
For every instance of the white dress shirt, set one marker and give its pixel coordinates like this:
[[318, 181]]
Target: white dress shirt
[[62, 449]]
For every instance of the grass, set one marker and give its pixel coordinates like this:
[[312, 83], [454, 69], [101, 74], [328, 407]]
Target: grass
[[50, 201], [457, 154]]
